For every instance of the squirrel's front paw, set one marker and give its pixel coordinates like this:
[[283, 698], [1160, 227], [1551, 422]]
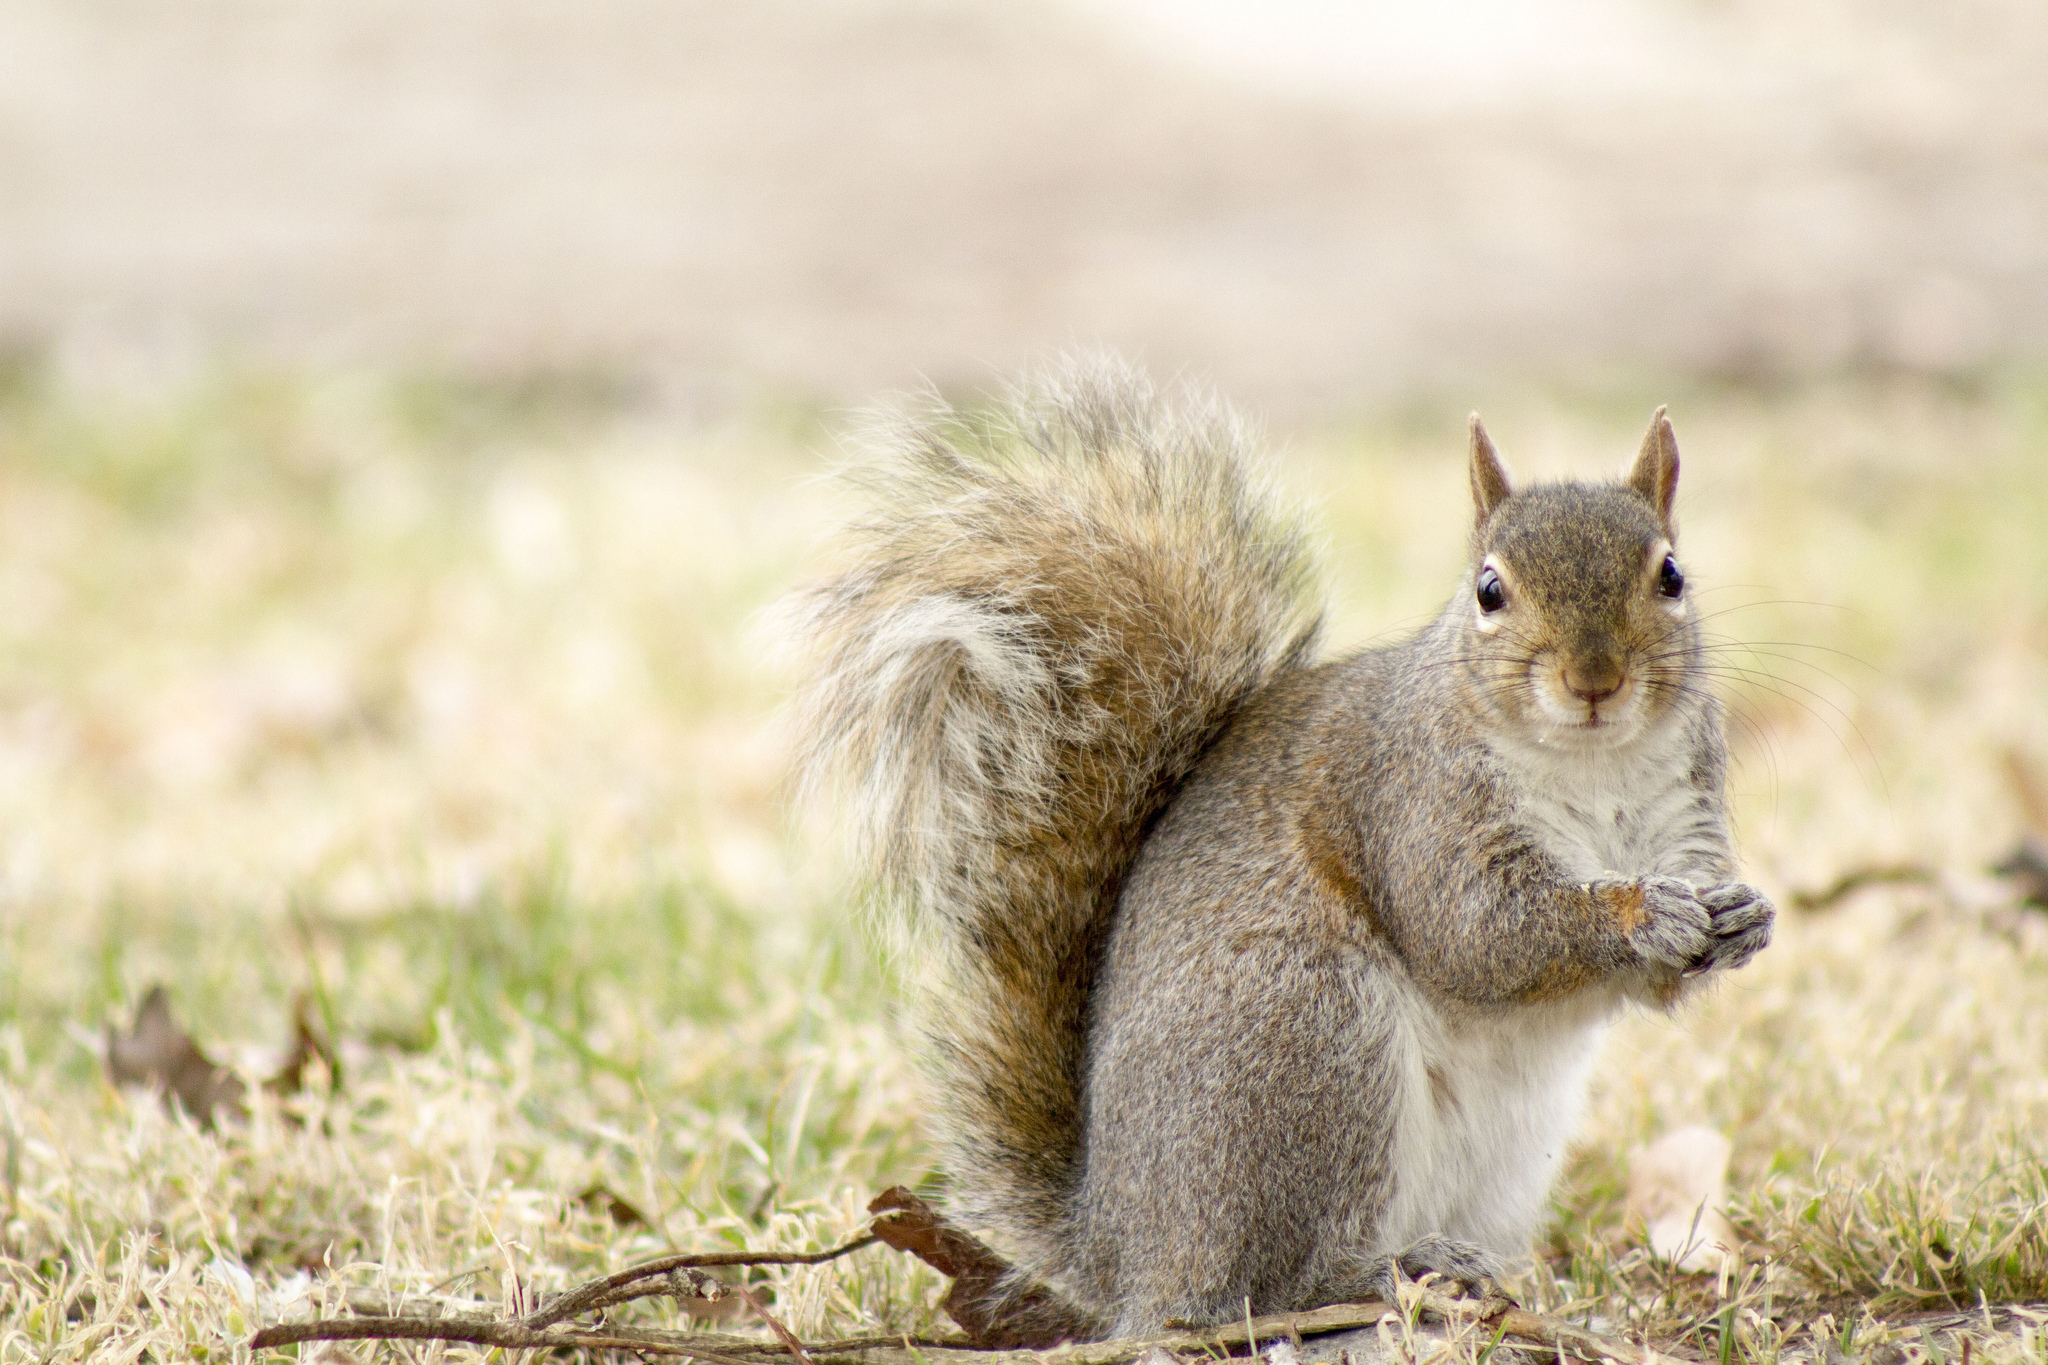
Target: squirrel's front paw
[[1666, 922], [1741, 917]]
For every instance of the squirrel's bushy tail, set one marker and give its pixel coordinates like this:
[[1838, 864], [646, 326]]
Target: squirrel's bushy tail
[[1042, 620]]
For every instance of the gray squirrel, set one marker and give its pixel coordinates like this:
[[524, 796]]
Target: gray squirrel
[[1259, 981]]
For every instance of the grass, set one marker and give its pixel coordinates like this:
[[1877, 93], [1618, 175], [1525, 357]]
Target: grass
[[436, 706]]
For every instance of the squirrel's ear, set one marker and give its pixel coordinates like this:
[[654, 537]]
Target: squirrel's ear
[[1655, 475], [1490, 486]]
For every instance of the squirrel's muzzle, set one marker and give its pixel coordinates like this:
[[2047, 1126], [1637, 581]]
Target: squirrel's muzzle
[[1593, 677]]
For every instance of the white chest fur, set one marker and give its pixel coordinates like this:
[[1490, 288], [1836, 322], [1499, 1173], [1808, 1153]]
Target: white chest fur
[[1487, 1110], [1606, 811], [1489, 1103]]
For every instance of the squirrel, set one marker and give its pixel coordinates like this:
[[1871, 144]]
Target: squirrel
[[1262, 981]]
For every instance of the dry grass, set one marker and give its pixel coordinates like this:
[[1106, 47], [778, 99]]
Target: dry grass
[[436, 704]]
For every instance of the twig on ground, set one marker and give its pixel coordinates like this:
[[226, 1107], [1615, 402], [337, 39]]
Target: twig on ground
[[492, 1332], [603, 1293], [775, 1325], [648, 1280], [1567, 1341], [1857, 878], [907, 1222], [1507, 1316]]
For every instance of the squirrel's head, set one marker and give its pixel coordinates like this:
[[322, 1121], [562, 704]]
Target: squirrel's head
[[1577, 625]]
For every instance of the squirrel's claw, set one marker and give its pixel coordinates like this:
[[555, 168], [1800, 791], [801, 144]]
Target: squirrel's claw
[[1739, 920]]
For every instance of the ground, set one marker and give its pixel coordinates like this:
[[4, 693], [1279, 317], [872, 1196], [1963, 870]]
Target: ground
[[444, 708]]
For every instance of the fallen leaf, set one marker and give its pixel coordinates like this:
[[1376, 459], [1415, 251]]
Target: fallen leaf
[[598, 1198], [2030, 789], [986, 1300], [308, 1041], [1676, 1187], [159, 1054], [2027, 868]]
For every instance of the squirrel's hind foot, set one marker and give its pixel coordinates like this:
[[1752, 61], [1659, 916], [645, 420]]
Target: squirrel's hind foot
[[1471, 1270]]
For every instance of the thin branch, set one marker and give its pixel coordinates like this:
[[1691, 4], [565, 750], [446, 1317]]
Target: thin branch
[[1506, 1316], [920, 1229], [510, 1336], [648, 1280], [1513, 1322], [603, 1293], [775, 1325], [1855, 879]]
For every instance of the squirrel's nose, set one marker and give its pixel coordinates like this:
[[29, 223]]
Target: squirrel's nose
[[1593, 680]]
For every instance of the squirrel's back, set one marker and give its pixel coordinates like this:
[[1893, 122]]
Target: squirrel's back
[[1042, 620]]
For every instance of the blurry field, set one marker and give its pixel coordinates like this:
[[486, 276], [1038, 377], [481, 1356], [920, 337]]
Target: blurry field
[[437, 705]]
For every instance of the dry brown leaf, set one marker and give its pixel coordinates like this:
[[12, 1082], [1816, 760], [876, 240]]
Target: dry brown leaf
[[309, 1040], [2030, 789], [159, 1054], [985, 1300], [2027, 868], [1676, 1187], [599, 1197]]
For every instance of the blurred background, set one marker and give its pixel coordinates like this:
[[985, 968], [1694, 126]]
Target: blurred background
[[1314, 204], [408, 406]]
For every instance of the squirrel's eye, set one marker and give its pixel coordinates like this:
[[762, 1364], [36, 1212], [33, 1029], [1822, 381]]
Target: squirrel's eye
[[1492, 597], [1670, 581]]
